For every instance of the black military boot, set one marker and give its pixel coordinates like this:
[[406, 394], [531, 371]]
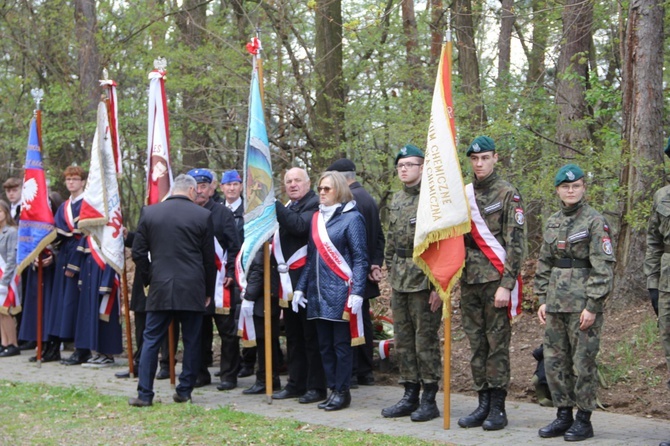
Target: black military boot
[[497, 418], [581, 429], [560, 425], [476, 418], [407, 404], [428, 408]]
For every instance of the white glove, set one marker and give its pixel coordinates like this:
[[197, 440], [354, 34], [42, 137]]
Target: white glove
[[247, 309], [356, 303], [3, 290], [299, 300]]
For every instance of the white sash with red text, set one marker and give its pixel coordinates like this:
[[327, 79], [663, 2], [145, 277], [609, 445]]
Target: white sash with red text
[[10, 303], [245, 325], [493, 250], [221, 293], [339, 266], [297, 260]]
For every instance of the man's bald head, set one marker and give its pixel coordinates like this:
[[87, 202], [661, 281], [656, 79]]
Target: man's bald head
[[297, 183]]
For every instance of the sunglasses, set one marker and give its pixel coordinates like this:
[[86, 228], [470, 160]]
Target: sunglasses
[[325, 189]]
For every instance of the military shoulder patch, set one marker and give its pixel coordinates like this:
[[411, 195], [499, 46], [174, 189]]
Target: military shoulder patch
[[519, 217], [516, 198], [606, 228], [412, 221], [607, 246]]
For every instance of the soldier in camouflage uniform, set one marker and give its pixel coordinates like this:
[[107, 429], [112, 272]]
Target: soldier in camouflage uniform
[[486, 290], [416, 320], [573, 278], [657, 264]]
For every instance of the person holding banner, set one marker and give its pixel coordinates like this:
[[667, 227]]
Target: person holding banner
[[332, 284], [490, 284], [573, 278], [181, 274], [416, 319], [10, 302]]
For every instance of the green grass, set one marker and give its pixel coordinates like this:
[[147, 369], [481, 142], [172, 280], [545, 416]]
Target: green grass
[[46, 415], [625, 361]]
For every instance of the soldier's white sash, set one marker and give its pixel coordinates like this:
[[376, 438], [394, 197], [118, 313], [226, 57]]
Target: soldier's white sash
[[493, 250], [245, 324], [221, 293]]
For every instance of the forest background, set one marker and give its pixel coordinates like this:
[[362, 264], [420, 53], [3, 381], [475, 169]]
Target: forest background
[[550, 81]]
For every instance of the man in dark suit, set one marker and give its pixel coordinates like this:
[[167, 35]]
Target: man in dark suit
[[367, 206], [180, 274], [227, 246]]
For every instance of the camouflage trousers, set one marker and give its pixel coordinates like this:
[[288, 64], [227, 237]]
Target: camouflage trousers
[[570, 360], [417, 343], [489, 332], [664, 323]]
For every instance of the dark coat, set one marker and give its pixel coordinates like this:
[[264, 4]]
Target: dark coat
[[239, 221], [138, 300], [326, 293], [179, 235], [225, 232], [367, 206]]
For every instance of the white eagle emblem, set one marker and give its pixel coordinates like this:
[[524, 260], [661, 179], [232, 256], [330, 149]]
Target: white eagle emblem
[[28, 193]]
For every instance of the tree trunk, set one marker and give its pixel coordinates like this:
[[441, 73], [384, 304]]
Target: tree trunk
[[468, 68], [536, 66], [438, 20], [505, 41], [642, 140], [329, 129], [571, 130], [411, 44], [191, 22]]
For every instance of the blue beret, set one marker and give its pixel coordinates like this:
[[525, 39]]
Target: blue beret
[[568, 174], [230, 176], [481, 144], [407, 151], [201, 175]]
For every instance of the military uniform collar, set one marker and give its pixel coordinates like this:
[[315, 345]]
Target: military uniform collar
[[486, 182], [569, 211], [412, 190]]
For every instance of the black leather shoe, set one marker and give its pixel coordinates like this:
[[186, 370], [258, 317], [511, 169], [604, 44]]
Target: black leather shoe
[[12, 350], [257, 389], [137, 402], [245, 371], [312, 396], [203, 380], [177, 398], [226, 385], [323, 405], [285, 394], [340, 401], [366, 380], [581, 428], [27, 345], [122, 375], [163, 374], [77, 358]]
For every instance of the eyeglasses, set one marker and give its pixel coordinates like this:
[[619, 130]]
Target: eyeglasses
[[325, 189], [401, 166], [567, 187]]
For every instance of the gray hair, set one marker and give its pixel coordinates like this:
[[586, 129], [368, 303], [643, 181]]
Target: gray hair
[[183, 183], [349, 176]]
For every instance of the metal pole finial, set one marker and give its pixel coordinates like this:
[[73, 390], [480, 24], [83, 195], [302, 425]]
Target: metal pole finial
[[160, 64], [37, 94], [105, 74]]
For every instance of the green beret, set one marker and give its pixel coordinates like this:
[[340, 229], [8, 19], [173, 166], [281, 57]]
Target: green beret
[[568, 174], [408, 150], [667, 148], [481, 144]]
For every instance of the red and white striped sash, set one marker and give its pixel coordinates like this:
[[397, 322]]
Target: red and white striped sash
[[297, 260], [336, 262], [245, 325], [493, 250], [11, 302], [221, 293]]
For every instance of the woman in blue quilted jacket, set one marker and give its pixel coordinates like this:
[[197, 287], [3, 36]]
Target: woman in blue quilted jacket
[[333, 283]]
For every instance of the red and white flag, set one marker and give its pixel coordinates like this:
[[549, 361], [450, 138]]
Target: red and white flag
[[100, 214], [159, 172], [443, 215]]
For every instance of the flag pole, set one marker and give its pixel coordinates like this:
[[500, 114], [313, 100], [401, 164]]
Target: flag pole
[[110, 103], [447, 302], [38, 94], [267, 317]]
